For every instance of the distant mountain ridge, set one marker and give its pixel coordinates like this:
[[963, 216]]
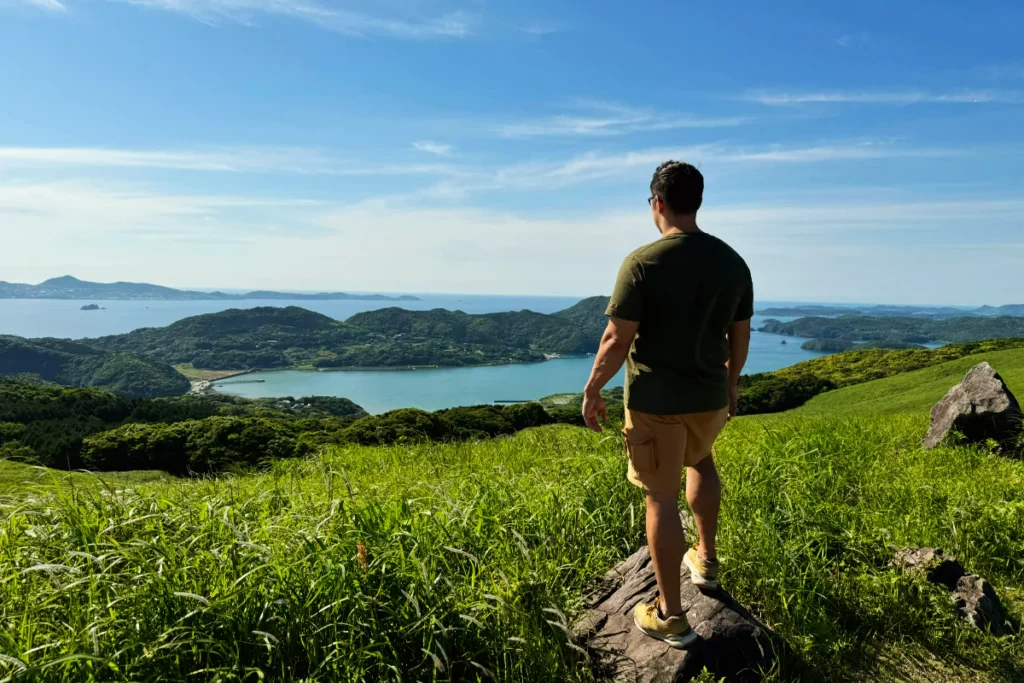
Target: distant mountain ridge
[[68, 287], [861, 328], [887, 311]]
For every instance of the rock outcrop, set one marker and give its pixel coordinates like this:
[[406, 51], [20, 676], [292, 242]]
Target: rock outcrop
[[975, 600], [981, 407], [933, 564], [732, 643]]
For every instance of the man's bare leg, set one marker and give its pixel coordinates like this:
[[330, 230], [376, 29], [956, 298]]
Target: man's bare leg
[[704, 494], [667, 543]]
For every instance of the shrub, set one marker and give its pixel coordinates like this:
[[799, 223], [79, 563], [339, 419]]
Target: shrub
[[194, 446], [397, 425], [771, 393]]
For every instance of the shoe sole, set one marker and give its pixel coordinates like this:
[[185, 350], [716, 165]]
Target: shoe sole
[[679, 642], [696, 578]]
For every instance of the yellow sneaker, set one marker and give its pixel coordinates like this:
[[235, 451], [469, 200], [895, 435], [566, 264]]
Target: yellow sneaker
[[675, 630], [703, 574]]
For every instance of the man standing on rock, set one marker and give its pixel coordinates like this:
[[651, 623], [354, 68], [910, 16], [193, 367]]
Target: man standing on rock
[[680, 319]]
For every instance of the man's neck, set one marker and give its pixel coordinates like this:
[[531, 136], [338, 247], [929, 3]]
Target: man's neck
[[682, 227]]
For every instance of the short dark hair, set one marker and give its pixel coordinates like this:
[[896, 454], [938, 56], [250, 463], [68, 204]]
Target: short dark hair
[[680, 185]]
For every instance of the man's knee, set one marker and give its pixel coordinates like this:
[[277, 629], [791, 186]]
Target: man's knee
[[662, 501], [705, 466]]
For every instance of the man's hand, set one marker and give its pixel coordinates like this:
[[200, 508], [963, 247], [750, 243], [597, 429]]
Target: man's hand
[[734, 399], [611, 354], [594, 405]]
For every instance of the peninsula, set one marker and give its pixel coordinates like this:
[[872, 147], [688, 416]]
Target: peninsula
[[292, 337]]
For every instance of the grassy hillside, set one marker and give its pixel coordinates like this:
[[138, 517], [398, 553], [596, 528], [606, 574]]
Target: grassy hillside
[[463, 562], [467, 561], [787, 388], [17, 479], [915, 391], [77, 365]]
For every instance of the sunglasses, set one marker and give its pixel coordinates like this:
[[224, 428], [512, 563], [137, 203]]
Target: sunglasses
[[650, 200]]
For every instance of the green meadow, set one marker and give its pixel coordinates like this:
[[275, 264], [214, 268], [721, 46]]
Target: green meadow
[[915, 391], [468, 561]]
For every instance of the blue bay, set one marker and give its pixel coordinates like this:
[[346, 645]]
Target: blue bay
[[377, 391]]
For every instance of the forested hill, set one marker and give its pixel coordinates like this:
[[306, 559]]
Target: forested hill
[[589, 311], [885, 311], [77, 365], [391, 337], [908, 330]]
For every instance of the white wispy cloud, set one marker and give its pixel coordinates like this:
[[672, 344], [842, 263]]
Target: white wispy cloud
[[899, 97], [97, 231], [50, 5], [429, 146], [540, 28], [609, 118], [540, 173], [75, 212], [832, 152], [880, 215], [851, 39], [294, 160], [599, 165], [347, 18]]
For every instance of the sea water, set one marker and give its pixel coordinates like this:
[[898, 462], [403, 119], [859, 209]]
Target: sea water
[[376, 391], [65, 319]]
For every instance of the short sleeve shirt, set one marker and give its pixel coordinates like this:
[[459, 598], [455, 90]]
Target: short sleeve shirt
[[685, 290]]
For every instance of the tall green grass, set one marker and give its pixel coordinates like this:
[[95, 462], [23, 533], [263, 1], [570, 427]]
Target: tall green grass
[[403, 563], [467, 562]]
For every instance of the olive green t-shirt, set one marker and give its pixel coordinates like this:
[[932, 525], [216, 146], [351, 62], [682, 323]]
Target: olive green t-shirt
[[685, 290]]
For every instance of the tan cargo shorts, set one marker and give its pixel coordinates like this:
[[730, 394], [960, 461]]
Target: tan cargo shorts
[[659, 446]]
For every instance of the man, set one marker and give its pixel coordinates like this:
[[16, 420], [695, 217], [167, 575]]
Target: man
[[681, 312]]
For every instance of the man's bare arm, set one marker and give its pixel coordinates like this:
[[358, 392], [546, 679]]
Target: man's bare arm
[[739, 347], [615, 343]]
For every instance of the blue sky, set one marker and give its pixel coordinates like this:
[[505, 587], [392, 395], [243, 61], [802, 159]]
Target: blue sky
[[866, 151]]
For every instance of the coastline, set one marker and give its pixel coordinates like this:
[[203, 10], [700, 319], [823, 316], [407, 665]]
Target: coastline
[[209, 386]]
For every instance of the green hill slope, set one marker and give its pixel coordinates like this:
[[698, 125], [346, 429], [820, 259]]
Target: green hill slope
[[77, 365], [473, 557], [915, 391]]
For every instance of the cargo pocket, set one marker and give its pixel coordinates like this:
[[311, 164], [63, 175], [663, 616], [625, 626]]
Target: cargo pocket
[[641, 448]]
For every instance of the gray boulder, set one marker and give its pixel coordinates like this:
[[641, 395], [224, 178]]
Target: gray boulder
[[981, 407], [974, 598], [977, 604], [732, 643]]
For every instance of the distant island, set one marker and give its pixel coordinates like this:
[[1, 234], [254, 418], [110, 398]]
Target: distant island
[[931, 312], [892, 330], [68, 287], [842, 345], [292, 337], [90, 307], [141, 363]]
